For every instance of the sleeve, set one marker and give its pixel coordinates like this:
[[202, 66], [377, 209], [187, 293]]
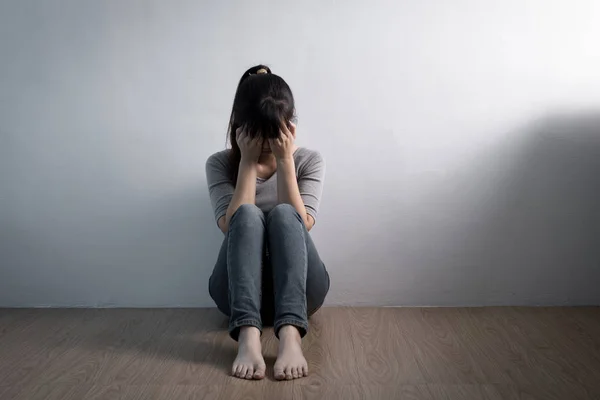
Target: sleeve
[[220, 186], [310, 183]]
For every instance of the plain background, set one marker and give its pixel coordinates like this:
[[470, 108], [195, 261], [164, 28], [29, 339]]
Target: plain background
[[462, 143]]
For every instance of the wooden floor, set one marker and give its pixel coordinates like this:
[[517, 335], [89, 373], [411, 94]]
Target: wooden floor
[[353, 353]]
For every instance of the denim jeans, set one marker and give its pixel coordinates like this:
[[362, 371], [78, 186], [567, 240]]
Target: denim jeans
[[268, 270]]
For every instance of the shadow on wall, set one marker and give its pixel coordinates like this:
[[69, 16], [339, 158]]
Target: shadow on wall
[[516, 224], [138, 250], [519, 224]]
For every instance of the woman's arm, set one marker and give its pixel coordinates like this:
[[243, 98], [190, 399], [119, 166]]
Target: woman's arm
[[245, 191], [245, 188], [287, 189]]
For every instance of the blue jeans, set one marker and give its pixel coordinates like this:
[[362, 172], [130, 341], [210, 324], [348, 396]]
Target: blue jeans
[[268, 270]]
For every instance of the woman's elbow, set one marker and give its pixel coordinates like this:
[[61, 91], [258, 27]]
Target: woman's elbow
[[309, 222], [223, 225]]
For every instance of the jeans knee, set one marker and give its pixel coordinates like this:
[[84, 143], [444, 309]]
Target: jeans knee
[[283, 213], [248, 213]]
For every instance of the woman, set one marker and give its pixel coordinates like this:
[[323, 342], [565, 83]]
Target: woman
[[265, 192]]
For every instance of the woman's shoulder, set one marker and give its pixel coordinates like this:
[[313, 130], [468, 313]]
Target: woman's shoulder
[[304, 154], [308, 160], [220, 157], [218, 161]]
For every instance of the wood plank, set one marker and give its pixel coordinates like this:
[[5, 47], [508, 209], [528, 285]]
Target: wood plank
[[397, 391], [329, 350], [44, 392], [152, 392], [376, 353], [440, 355], [26, 353], [383, 354]]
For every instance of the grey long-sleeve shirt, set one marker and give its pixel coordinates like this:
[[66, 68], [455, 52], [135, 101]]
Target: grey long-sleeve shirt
[[310, 173]]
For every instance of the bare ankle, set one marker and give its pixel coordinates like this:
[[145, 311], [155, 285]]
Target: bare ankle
[[289, 331], [249, 333]]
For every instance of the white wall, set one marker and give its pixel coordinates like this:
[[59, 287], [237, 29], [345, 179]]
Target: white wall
[[462, 140]]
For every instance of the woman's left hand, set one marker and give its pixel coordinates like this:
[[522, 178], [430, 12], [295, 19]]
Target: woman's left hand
[[283, 147]]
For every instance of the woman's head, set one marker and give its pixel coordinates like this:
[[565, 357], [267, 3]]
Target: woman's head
[[263, 102]]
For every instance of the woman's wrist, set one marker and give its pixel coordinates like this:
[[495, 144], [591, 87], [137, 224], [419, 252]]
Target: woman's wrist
[[285, 161], [246, 162]]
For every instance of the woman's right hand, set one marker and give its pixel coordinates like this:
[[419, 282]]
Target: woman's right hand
[[250, 148]]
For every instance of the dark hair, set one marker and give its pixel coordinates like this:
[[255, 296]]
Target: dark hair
[[263, 101]]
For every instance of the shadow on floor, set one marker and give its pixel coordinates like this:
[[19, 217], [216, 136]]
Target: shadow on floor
[[189, 336]]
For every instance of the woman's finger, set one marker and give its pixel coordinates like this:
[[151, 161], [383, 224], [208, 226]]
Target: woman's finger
[[254, 141], [241, 132], [284, 131], [292, 129]]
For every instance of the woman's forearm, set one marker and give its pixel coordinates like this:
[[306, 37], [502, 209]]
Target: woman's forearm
[[287, 187], [245, 189]]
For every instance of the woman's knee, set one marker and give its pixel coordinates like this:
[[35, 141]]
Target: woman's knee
[[282, 214], [248, 213], [318, 284]]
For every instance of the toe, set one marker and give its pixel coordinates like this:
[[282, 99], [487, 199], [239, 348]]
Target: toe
[[250, 372], [260, 372], [279, 373], [234, 369], [295, 372], [288, 373], [305, 370], [242, 371]]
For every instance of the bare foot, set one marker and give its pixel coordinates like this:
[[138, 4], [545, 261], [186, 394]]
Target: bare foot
[[290, 363], [249, 363]]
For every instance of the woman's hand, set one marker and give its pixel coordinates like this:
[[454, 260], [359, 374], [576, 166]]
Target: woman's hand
[[250, 148], [283, 146]]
